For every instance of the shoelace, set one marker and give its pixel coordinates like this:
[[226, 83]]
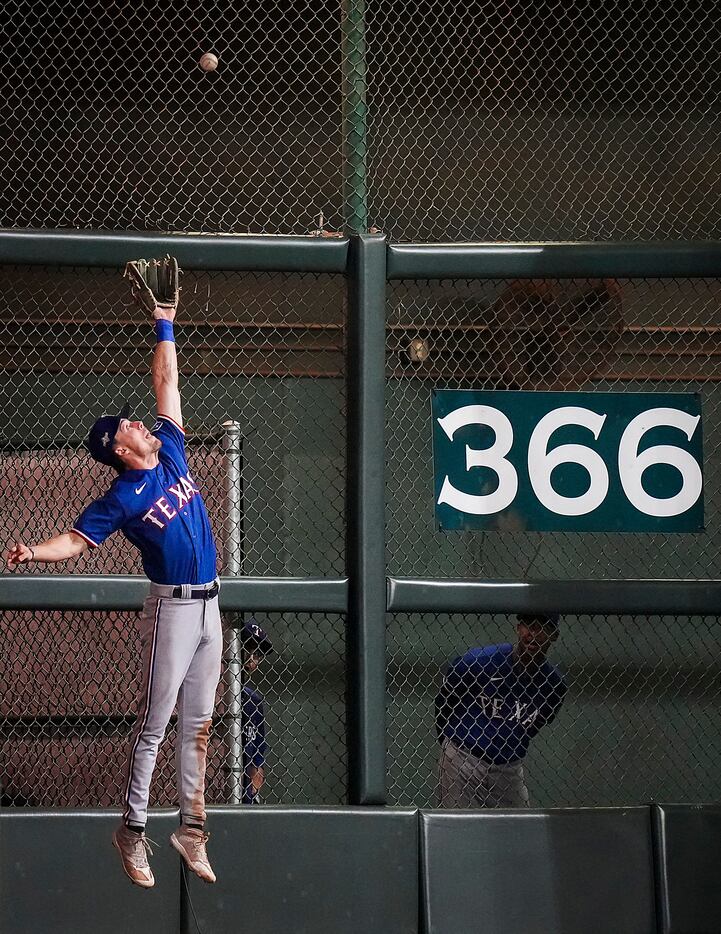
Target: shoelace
[[198, 845], [145, 848]]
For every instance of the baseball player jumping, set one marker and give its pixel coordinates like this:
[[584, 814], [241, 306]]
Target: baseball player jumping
[[157, 505], [492, 702]]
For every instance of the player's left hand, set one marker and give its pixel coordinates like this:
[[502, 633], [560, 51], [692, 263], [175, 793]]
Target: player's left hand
[[18, 554], [155, 285]]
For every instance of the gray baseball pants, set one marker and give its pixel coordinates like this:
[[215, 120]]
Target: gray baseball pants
[[181, 648], [468, 782]]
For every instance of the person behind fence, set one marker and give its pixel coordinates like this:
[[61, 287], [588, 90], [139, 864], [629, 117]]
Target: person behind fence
[[158, 506], [256, 647], [492, 702]]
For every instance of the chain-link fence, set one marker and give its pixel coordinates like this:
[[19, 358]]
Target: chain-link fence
[[263, 350], [436, 121], [639, 720], [561, 334], [110, 122], [651, 335], [465, 121], [71, 683], [520, 121]]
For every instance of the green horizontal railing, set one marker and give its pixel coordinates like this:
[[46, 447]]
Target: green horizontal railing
[[241, 252], [233, 252], [404, 595], [97, 592], [644, 597], [559, 260]]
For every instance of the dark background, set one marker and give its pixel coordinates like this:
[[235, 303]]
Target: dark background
[[512, 120]]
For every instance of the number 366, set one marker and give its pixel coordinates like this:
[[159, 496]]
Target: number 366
[[541, 462]]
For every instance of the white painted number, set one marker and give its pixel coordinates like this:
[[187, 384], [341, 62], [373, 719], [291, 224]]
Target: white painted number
[[541, 462], [494, 457], [631, 464]]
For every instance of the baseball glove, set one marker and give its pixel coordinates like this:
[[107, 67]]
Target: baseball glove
[[155, 282]]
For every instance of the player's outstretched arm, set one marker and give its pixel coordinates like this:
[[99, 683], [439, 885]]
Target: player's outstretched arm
[[165, 365], [59, 548], [155, 287]]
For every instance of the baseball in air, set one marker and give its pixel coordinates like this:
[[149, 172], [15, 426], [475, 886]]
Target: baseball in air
[[208, 61]]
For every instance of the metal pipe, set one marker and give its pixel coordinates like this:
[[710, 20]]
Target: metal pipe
[[49, 247], [355, 112], [233, 560], [365, 527], [623, 260], [126, 592]]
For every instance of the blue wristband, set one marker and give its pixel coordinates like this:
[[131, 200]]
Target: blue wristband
[[164, 331]]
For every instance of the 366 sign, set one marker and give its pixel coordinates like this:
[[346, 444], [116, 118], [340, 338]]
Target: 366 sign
[[579, 461]]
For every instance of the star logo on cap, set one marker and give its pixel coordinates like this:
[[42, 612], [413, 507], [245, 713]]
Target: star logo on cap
[[105, 439]]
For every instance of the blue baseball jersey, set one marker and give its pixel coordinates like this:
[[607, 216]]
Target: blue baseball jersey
[[254, 745], [494, 708], [161, 512]]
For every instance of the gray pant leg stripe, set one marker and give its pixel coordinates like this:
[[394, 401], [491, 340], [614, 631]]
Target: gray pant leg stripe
[[148, 694]]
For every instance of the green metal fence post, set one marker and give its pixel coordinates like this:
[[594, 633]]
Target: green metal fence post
[[365, 545], [234, 673], [355, 195]]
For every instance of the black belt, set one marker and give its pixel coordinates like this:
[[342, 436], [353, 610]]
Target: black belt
[[471, 752], [198, 594]]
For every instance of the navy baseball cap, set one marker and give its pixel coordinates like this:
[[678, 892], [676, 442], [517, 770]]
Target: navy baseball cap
[[253, 637], [547, 620], [102, 435]]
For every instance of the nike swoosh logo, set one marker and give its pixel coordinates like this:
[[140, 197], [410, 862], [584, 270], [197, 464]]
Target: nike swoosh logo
[[140, 488]]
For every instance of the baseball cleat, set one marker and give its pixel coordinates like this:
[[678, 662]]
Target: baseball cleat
[[190, 843], [134, 849]]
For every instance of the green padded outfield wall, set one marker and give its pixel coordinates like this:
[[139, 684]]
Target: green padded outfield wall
[[526, 872], [59, 873]]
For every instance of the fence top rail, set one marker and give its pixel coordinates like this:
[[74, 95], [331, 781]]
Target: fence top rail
[[127, 592], [627, 597], [404, 595], [233, 252], [317, 254], [621, 260]]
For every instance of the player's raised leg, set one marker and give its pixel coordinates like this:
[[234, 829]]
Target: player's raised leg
[[195, 710], [171, 631]]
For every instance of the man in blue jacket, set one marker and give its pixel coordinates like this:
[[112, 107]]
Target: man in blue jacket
[[492, 702]]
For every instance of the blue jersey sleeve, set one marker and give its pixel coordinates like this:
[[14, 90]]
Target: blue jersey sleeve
[[173, 438], [100, 519], [456, 680]]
